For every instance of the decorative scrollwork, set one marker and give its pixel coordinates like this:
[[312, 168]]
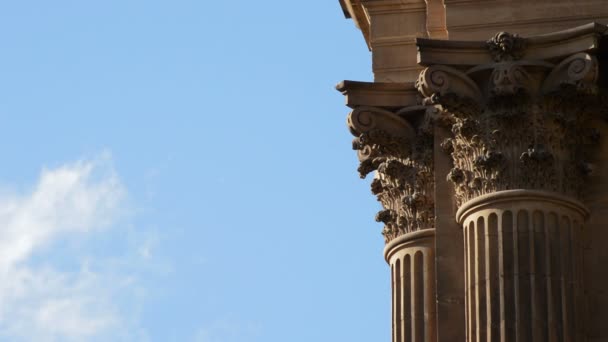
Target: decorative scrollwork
[[578, 72], [450, 88], [366, 119]]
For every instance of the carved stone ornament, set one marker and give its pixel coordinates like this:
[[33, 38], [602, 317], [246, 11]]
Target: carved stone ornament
[[506, 47], [516, 124], [401, 156]]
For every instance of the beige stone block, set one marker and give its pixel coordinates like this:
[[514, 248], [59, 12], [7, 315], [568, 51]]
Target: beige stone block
[[375, 94], [395, 60], [449, 260], [397, 74], [467, 20], [435, 19], [398, 25]]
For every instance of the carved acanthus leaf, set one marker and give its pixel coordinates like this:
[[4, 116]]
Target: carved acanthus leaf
[[401, 155], [379, 134], [532, 127]]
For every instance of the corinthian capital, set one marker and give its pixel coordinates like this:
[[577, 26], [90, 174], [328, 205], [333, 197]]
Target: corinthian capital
[[520, 110], [395, 143]]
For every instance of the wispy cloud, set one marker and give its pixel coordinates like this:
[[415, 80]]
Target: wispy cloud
[[41, 301], [74, 198]]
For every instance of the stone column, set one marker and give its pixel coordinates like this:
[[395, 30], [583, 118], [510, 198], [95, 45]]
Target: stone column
[[519, 111], [395, 145], [523, 271], [412, 260]]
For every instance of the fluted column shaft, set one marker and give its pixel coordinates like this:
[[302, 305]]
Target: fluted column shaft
[[412, 261], [523, 267]]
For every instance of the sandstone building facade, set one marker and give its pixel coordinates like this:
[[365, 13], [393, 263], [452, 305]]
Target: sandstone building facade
[[486, 134]]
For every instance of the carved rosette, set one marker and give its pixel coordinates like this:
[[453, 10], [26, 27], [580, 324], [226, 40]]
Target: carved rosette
[[516, 124], [401, 157], [506, 47]]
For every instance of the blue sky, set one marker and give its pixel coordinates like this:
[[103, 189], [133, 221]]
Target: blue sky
[[181, 171]]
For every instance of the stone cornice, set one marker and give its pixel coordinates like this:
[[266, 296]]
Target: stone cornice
[[354, 10], [543, 47], [374, 94], [361, 10], [394, 6]]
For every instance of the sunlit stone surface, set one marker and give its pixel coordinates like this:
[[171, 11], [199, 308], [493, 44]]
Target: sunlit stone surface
[[484, 133]]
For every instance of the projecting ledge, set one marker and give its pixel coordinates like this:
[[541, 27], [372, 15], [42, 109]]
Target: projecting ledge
[[374, 94], [558, 44]]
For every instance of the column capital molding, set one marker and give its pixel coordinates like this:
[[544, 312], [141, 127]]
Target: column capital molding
[[407, 240], [394, 141], [519, 109], [521, 197], [556, 45]]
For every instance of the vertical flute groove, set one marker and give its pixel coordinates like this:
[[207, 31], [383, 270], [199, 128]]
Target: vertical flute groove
[[524, 273], [394, 305], [419, 297], [467, 296], [480, 288], [429, 305], [554, 292], [407, 299], [397, 299], [540, 276], [412, 262], [524, 329], [507, 294], [516, 271], [470, 288], [578, 280], [567, 281], [533, 277], [492, 279]]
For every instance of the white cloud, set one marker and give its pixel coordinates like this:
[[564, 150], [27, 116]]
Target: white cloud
[[66, 200], [39, 301]]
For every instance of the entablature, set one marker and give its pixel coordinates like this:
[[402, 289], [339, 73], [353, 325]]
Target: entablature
[[550, 47]]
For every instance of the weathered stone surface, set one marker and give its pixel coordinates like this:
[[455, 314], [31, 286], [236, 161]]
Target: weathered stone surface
[[521, 146], [395, 145], [497, 155], [517, 123], [412, 261], [523, 266]]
